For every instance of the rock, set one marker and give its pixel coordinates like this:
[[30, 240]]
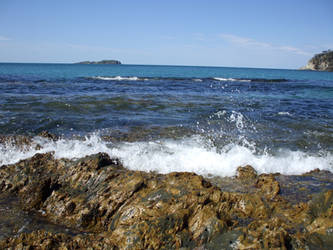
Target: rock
[[321, 209], [102, 205], [246, 173], [46, 240], [321, 62], [268, 185], [48, 135], [16, 140], [269, 234]]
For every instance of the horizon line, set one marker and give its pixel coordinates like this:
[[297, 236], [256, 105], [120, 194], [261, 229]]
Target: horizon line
[[138, 64]]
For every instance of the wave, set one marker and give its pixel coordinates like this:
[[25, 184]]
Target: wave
[[117, 78], [269, 80], [284, 113], [231, 79], [223, 79], [193, 154], [145, 78], [251, 79], [135, 78]]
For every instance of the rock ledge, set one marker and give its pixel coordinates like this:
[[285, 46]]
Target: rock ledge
[[103, 205]]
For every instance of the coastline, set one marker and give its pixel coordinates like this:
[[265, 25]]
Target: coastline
[[149, 157], [166, 125], [95, 201]]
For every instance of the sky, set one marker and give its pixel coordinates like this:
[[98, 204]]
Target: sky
[[234, 33]]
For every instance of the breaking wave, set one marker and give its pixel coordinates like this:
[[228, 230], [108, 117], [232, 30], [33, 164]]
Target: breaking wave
[[192, 154], [222, 79], [117, 78], [231, 79]]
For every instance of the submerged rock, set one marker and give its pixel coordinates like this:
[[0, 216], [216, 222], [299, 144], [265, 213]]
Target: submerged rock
[[103, 205]]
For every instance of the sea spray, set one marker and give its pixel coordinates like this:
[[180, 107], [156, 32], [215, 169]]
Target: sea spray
[[192, 154], [275, 120]]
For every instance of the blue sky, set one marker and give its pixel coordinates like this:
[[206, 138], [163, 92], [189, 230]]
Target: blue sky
[[257, 33]]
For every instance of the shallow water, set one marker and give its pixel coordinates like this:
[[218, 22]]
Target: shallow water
[[14, 221], [208, 120]]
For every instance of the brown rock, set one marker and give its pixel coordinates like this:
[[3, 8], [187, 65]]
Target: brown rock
[[46, 240], [246, 173], [268, 185], [107, 205], [321, 211], [48, 135], [18, 141]]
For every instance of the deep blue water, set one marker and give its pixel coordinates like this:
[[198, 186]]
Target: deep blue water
[[266, 110]]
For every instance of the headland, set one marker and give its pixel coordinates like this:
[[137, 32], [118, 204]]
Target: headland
[[320, 62]]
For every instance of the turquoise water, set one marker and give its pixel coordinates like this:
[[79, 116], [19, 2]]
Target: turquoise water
[[171, 114], [72, 71]]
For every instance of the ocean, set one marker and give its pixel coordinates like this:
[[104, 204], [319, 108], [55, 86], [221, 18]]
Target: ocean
[[207, 120]]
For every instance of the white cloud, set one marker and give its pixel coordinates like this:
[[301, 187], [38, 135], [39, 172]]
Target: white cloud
[[244, 41], [3, 38], [294, 50], [249, 42]]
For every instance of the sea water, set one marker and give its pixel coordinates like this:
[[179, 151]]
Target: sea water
[[207, 120]]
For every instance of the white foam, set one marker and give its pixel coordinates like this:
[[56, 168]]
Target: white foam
[[284, 113], [117, 78], [230, 79], [10, 154], [192, 154]]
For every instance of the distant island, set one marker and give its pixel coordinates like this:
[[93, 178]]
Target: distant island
[[100, 62], [321, 62]]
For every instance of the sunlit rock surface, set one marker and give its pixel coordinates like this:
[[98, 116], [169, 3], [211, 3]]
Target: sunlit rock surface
[[96, 202]]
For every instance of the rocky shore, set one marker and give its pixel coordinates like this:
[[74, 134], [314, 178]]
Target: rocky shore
[[94, 202], [321, 62]]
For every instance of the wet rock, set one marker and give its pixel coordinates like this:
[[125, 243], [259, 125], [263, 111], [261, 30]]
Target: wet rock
[[48, 135], [321, 211], [37, 192], [112, 206], [268, 185], [270, 234], [246, 173], [45, 240], [18, 141]]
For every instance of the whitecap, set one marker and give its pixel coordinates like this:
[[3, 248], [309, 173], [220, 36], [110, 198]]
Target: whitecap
[[284, 113], [230, 79], [193, 154], [116, 78]]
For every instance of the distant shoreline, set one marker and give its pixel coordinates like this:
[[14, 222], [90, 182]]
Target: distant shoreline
[[100, 62], [166, 65], [154, 65], [320, 62]]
